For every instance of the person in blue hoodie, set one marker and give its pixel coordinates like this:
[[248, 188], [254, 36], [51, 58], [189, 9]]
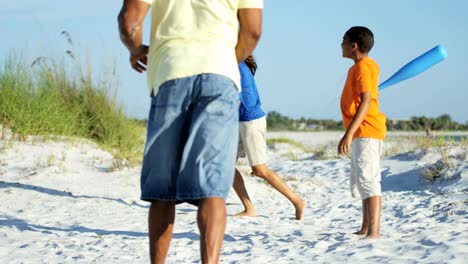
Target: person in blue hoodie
[[252, 143]]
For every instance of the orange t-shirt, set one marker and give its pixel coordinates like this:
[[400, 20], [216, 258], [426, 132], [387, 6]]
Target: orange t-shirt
[[363, 77]]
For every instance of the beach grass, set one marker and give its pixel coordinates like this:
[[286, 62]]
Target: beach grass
[[289, 141], [57, 98]]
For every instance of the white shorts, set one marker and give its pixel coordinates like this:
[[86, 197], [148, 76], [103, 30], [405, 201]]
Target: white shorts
[[252, 141], [365, 167]]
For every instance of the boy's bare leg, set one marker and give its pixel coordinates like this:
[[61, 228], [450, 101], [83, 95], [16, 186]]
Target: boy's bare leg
[[276, 182], [365, 219], [160, 224], [374, 205], [239, 187], [211, 220]]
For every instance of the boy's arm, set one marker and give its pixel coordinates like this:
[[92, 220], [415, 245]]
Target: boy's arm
[[250, 21], [363, 108], [130, 20]]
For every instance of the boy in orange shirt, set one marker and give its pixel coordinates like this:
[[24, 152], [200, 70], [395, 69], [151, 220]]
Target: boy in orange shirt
[[365, 127]]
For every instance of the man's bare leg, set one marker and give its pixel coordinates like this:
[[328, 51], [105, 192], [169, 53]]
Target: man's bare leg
[[239, 187], [276, 182], [212, 224], [160, 224], [374, 206], [365, 219]]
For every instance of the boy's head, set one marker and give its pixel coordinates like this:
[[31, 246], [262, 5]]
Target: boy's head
[[357, 39]]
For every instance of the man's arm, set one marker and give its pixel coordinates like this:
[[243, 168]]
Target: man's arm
[[250, 20], [363, 108], [131, 19]]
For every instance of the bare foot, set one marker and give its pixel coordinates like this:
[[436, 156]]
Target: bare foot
[[360, 233], [371, 237], [250, 213], [300, 209]]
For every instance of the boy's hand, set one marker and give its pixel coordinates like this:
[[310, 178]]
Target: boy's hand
[[345, 145], [361, 112]]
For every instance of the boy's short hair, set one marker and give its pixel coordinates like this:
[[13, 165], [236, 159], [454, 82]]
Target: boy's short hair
[[362, 36]]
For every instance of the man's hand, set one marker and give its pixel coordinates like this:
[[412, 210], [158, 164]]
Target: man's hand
[[139, 59], [131, 19], [345, 145]]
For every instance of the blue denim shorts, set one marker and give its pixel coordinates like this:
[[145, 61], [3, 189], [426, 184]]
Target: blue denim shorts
[[192, 138]]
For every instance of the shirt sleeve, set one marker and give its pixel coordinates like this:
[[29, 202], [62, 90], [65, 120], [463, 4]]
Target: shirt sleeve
[[363, 79], [148, 1], [250, 4]]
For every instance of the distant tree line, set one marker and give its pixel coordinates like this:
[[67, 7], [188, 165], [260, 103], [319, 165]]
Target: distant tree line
[[277, 121], [418, 123]]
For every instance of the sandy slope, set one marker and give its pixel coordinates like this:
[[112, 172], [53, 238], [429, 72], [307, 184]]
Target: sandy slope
[[61, 204]]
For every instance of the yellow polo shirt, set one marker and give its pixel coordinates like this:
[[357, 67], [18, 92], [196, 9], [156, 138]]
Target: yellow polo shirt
[[191, 37]]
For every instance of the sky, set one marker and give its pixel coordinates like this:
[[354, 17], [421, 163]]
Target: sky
[[301, 72]]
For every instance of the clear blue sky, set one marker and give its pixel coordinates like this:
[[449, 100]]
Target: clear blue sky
[[301, 72]]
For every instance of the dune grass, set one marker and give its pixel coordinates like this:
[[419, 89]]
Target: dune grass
[[52, 98], [289, 141], [443, 145]]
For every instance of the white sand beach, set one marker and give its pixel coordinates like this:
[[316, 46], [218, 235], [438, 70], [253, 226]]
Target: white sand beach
[[61, 202]]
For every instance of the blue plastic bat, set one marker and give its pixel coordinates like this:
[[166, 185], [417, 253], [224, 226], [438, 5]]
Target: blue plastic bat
[[416, 66]]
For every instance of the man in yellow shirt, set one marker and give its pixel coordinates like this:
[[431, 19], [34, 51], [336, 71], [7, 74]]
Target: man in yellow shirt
[[193, 129]]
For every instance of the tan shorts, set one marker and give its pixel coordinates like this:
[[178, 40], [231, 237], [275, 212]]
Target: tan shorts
[[365, 167], [252, 141]]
